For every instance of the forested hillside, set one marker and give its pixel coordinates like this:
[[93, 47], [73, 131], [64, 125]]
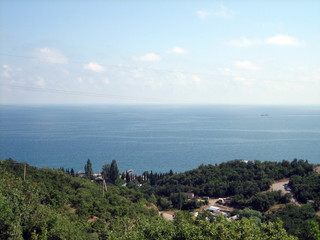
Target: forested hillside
[[306, 187], [236, 177], [243, 180], [52, 204]]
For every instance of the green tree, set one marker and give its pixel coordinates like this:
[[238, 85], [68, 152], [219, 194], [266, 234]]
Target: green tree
[[299, 221], [88, 169], [72, 173], [114, 171], [106, 172], [251, 214], [110, 172], [164, 203], [127, 177], [178, 200]]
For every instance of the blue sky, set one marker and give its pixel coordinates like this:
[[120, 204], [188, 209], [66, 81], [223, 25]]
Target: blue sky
[[166, 52]]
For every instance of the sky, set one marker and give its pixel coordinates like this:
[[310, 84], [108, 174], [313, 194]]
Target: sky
[[160, 52]]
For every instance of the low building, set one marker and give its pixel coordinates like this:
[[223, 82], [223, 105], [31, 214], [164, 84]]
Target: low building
[[96, 175], [213, 209]]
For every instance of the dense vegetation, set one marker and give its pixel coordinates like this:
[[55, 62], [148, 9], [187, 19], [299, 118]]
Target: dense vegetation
[[242, 180], [306, 187], [235, 177], [53, 204], [299, 221]]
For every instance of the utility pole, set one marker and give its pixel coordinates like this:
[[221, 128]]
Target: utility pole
[[104, 187], [24, 171]]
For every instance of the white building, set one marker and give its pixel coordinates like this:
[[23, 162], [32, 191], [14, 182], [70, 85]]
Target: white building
[[213, 209]]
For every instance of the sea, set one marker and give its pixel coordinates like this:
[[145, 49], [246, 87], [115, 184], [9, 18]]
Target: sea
[[157, 138]]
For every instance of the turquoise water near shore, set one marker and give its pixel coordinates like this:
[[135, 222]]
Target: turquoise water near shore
[[157, 137]]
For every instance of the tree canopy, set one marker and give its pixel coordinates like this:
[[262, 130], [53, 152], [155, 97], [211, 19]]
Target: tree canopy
[[54, 205], [88, 169], [110, 172]]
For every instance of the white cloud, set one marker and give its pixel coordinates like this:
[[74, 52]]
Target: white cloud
[[137, 73], [246, 65], [94, 67], [280, 40], [148, 57], [237, 77], [178, 50], [51, 55], [203, 14], [196, 79], [105, 81], [153, 84], [179, 79], [79, 80], [11, 73], [244, 42], [243, 80], [225, 70], [284, 40], [6, 71], [40, 82], [222, 12]]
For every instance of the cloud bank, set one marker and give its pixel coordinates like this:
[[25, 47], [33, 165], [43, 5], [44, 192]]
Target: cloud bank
[[50, 55], [178, 50], [279, 39], [246, 65], [148, 57], [94, 67], [221, 12]]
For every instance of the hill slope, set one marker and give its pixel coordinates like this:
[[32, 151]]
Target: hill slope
[[53, 205]]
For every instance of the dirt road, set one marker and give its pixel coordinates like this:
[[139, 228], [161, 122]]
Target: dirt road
[[279, 185]]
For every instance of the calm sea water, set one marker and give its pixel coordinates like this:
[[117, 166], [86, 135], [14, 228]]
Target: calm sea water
[[157, 138]]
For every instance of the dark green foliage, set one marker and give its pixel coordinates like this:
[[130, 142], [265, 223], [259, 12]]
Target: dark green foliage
[[243, 180], [72, 173], [299, 221], [185, 228], [114, 171], [178, 200], [106, 172], [251, 214], [263, 201], [164, 203], [127, 177], [110, 172], [306, 187], [53, 205], [88, 169], [24, 217], [234, 177]]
